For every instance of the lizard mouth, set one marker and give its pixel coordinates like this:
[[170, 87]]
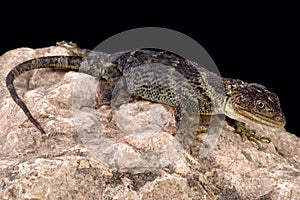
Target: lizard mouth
[[279, 121]]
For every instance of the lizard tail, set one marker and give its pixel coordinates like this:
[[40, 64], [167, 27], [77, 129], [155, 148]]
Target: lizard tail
[[67, 63]]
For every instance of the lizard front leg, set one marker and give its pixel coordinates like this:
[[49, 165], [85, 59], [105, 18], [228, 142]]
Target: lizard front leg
[[246, 133], [187, 122]]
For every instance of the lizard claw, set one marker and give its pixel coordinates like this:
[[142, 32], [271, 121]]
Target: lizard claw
[[67, 45], [249, 134]]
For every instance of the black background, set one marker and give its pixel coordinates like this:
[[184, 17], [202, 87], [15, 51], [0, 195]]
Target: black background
[[255, 43]]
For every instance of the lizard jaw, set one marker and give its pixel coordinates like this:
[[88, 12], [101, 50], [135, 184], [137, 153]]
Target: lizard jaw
[[260, 119]]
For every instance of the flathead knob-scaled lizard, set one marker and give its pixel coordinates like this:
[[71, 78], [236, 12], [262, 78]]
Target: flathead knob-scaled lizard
[[162, 76]]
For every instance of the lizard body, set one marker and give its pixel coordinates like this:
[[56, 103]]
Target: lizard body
[[168, 78]]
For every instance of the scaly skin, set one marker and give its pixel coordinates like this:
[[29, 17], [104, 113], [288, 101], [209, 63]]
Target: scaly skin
[[165, 77]]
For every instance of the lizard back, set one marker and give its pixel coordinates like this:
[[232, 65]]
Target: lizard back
[[163, 76]]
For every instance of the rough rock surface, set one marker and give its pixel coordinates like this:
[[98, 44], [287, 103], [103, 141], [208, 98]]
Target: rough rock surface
[[132, 155]]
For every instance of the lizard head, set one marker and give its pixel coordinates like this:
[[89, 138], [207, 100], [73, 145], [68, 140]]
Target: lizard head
[[253, 102]]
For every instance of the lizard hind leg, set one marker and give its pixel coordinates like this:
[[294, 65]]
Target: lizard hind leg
[[120, 94], [73, 48], [103, 93]]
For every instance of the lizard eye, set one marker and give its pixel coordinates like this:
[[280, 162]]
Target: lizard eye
[[260, 105]]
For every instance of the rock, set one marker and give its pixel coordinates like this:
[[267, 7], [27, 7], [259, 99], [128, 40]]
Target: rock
[[132, 154]]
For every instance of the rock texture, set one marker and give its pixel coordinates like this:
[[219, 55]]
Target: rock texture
[[130, 154]]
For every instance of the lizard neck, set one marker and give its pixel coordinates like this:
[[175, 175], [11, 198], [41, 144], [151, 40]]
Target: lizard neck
[[230, 87]]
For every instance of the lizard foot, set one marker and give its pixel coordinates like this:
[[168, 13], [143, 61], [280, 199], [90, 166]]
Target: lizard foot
[[72, 48], [249, 134], [67, 45]]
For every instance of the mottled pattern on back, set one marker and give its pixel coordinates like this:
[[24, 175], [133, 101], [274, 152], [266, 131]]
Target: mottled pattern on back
[[163, 76]]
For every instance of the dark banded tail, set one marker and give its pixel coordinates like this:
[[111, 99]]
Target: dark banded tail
[[66, 63]]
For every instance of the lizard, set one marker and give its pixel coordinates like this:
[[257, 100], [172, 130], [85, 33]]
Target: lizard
[[191, 89]]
